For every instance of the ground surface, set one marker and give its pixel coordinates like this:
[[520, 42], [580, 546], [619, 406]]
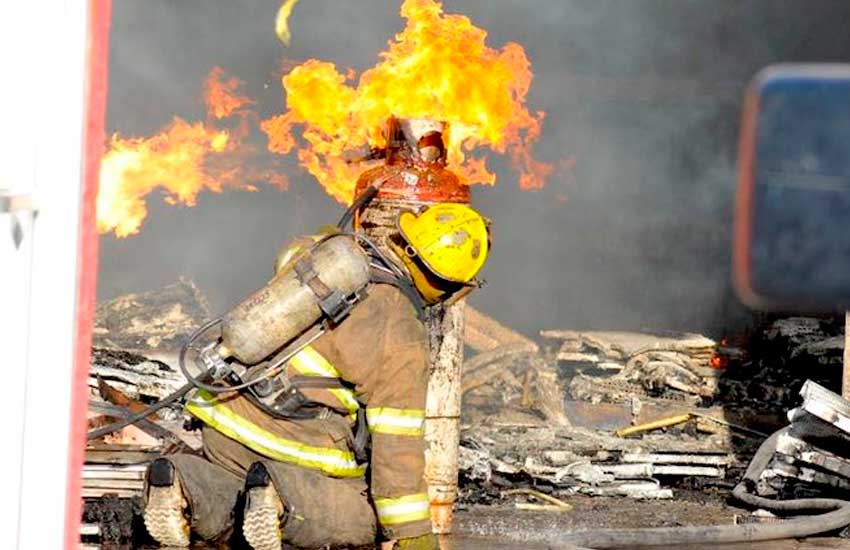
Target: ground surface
[[590, 513], [504, 527], [489, 527]]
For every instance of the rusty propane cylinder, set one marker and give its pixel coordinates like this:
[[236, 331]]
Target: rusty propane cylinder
[[411, 185], [284, 308]]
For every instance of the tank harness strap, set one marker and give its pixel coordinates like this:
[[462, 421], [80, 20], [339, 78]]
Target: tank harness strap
[[322, 382], [333, 303], [292, 404], [360, 441], [283, 392], [282, 398], [405, 285]]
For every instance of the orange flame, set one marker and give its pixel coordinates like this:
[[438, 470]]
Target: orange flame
[[172, 160], [719, 362], [182, 160], [439, 67], [220, 94]]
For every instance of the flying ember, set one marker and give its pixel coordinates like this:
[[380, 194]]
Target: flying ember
[[281, 26]]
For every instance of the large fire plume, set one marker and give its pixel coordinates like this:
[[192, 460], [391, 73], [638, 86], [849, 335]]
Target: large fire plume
[[439, 67]]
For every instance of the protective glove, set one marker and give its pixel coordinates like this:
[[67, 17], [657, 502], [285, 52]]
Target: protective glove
[[422, 542]]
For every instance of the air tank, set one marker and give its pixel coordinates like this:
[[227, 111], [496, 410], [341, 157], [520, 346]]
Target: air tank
[[280, 311]]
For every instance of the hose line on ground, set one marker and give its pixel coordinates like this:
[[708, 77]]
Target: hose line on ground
[[165, 401], [836, 516], [721, 534], [133, 418]]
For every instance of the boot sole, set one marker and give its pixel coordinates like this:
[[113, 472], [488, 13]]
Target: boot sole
[[261, 525], [164, 517]]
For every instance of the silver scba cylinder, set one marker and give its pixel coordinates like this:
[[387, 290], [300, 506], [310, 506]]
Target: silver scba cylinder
[[287, 306]]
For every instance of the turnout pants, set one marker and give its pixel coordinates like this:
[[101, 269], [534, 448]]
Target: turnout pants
[[320, 510]]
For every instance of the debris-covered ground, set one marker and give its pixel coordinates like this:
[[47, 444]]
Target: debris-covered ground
[[488, 528], [583, 430]]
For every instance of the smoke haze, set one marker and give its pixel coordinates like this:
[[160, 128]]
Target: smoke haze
[[642, 100]]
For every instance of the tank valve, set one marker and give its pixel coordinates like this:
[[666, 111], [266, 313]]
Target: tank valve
[[213, 361]]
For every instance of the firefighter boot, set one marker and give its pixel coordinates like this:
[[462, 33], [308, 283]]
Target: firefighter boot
[[261, 525], [165, 517]]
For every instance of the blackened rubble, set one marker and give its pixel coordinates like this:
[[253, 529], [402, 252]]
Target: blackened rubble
[[718, 401], [151, 321], [535, 417], [782, 356]]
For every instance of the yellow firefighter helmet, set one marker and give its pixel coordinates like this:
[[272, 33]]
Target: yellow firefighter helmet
[[452, 240]]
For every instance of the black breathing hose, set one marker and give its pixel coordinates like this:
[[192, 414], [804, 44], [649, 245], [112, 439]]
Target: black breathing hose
[[133, 418], [379, 254], [197, 382], [169, 399], [836, 516], [361, 201]]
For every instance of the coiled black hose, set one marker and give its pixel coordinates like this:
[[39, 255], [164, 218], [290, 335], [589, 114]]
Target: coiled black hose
[[200, 383]]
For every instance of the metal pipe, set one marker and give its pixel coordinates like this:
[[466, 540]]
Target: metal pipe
[[442, 418]]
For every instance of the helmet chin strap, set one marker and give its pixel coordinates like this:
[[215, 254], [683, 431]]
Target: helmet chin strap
[[459, 295], [431, 293]]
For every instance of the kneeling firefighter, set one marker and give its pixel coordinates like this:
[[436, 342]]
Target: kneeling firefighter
[[315, 380]]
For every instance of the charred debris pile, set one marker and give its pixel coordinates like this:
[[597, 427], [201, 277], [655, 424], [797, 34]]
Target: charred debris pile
[[634, 414], [600, 413]]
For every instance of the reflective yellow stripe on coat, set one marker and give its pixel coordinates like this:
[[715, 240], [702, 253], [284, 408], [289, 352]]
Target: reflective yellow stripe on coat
[[333, 462], [386, 420], [310, 362], [392, 511]]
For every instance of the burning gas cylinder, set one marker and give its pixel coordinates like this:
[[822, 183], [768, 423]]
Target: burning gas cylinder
[[414, 176]]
